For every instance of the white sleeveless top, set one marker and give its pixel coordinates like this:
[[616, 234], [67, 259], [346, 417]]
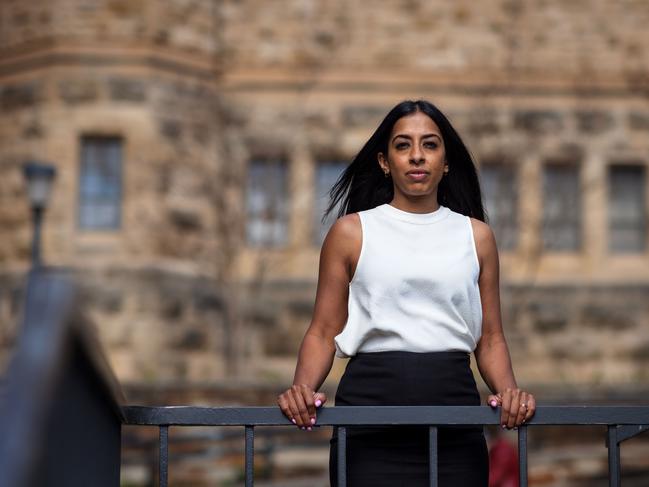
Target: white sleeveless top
[[415, 287]]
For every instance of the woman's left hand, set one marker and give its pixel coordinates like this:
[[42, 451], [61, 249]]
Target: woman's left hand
[[517, 405]]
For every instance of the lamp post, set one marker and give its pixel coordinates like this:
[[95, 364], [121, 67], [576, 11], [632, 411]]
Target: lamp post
[[39, 178]]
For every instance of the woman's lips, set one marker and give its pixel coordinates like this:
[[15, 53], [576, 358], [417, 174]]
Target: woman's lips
[[417, 175]]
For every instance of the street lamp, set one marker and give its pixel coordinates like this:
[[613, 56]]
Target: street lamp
[[39, 177]]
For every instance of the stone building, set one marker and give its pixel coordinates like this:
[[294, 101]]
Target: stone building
[[195, 142], [122, 97]]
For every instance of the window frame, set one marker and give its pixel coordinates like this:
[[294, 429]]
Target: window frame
[[84, 197], [318, 227], [515, 172], [578, 225], [284, 222], [627, 164]]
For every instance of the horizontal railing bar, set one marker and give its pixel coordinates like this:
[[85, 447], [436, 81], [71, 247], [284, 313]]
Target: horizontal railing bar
[[383, 415]]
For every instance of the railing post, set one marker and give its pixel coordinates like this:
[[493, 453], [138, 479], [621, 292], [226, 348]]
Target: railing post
[[250, 455], [432, 460], [613, 457], [522, 455], [342, 456], [164, 455]]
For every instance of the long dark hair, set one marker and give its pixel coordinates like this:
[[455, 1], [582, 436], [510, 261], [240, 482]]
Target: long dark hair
[[363, 185]]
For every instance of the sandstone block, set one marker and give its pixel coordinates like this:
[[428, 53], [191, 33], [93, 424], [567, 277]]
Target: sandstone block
[[76, 91], [19, 96], [594, 121], [538, 121], [125, 89], [639, 120]]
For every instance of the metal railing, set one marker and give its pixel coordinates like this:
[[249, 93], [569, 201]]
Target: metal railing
[[623, 422], [61, 409]]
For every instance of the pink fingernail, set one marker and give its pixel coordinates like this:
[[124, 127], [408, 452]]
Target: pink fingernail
[[293, 419], [504, 426], [493, 403], [318, 403], [309, 428], [312, 420]]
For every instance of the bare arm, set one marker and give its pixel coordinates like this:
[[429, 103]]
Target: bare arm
[[492, 354], [338, 258]]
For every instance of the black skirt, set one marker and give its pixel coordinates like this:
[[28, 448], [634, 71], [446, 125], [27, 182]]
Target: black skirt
[[398, 456]]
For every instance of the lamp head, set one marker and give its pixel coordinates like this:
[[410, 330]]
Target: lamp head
[[39, 177]]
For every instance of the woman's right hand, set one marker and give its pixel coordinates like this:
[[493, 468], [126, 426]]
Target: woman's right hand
[[299, 403]]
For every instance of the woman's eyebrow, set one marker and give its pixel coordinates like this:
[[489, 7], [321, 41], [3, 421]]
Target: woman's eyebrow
[[432, 135], [425, 136]]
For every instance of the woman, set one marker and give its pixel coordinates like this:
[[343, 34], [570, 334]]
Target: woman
[[408, 288]]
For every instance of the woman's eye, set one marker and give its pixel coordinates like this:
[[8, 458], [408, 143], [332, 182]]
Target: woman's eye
[[431, 145], [402, 145]]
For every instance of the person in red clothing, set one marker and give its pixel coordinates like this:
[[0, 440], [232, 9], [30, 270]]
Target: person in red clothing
[[503, 460]]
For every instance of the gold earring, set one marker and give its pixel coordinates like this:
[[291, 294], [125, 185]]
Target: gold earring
[[386, 173]]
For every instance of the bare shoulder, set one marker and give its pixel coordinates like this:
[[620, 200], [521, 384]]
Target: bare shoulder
[[481, 230], [345, 233], [347, 225], [485, 240], [343, 243]]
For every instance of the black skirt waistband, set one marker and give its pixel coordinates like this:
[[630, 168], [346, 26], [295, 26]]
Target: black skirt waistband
[[391, 354], [398, 378]]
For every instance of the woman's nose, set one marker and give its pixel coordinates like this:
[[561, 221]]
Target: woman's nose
[[416, 155]]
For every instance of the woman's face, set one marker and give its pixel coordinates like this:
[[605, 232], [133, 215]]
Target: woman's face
[[416, 157]]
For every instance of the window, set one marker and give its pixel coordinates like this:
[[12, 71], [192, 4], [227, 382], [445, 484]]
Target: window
[[626, 217], [326, 175], [561, 207], [501, 200], [100, 183], [267, 203]]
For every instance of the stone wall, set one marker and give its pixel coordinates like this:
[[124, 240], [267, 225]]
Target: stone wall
[[87, 81], [196, 89], [550, 38], [145, 72], [185, 26], [156, 326], [559, 334], [525, 83]]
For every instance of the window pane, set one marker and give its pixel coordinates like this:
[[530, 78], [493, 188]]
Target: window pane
[[100, 183], [326, 175], [267, 203], [626, 216], [501, 198], [561, 207]]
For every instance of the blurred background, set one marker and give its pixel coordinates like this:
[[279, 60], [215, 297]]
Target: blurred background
[[194, 144]]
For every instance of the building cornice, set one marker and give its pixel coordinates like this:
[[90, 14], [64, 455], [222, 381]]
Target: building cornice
[[474, 82], [20, 60]]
